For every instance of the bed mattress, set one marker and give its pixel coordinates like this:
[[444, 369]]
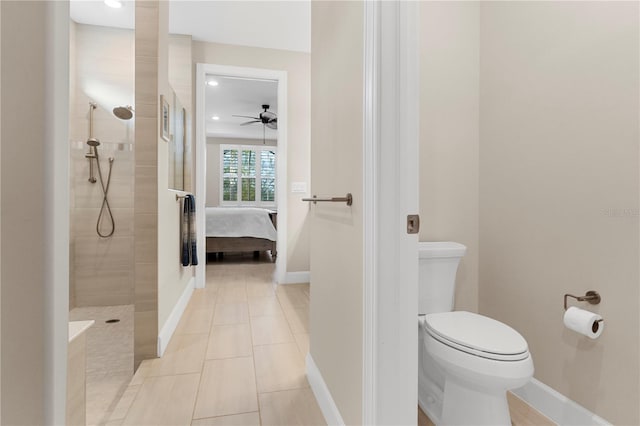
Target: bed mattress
[[239, 222]]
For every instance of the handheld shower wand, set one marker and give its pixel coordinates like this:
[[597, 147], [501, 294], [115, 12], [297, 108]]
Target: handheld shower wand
[[93, 144]]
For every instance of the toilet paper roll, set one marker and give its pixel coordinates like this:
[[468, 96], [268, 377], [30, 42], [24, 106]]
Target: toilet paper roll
[[584, 322]]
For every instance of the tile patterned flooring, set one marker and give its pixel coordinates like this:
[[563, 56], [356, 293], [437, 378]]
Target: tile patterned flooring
[[237, 357], [109, 358]]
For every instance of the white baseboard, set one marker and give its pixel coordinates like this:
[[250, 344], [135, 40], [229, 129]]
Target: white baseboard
[[297, 277], [556, 406], [323, 396], [176, 313]]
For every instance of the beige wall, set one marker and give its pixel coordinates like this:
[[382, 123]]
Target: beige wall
[[24, 308], [558, 167], [296, 64], [72, 112], [0, 211], [163, 65], [34, 218], [176, 74], [147, 97], [534, 133], [449, 138], [213, 164], [101, 71], [336, 230]]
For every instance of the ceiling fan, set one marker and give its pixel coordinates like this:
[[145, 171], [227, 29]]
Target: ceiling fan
[[266, 117]]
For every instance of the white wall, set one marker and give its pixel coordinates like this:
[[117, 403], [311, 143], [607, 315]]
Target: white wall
[[337, 230], [213, 164], [296, 65], [449, 134], [559, 133]]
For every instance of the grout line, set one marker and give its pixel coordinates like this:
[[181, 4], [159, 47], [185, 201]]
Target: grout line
[[285, 390], [291, 330], [255, 370], [226, 415], [135, 397], [186, 373], [204, 360]]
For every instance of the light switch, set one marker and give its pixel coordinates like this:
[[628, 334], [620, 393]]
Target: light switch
[[299, 187]]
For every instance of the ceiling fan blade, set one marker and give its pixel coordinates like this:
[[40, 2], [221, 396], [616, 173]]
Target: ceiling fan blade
[[250, 122], [246, 116]]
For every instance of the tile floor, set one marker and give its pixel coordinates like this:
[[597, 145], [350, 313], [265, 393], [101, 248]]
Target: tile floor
[[109, 358], [236, 358]]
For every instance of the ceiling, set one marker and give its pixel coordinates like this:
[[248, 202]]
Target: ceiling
[[239, 96], [267, 24]]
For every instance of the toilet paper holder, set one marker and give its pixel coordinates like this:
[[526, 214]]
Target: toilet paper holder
[[591, 296]]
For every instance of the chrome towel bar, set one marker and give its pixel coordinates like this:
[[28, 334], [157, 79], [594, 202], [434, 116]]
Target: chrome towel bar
[[347, 199], [178, 196]]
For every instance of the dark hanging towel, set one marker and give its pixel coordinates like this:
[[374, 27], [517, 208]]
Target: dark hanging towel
[[184, 231], [192, 229], [188, 232]]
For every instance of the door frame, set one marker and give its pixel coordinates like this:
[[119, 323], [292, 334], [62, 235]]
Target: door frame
[[390, 149], [202, 70]]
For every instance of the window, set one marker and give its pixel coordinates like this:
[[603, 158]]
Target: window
[[248, 175]]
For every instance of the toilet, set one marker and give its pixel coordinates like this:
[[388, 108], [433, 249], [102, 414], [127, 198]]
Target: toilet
[[467, 361]]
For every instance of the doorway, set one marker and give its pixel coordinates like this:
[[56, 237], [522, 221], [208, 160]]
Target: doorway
[[204, 75]]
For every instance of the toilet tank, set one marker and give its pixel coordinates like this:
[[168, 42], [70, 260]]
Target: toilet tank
[[438, 264]]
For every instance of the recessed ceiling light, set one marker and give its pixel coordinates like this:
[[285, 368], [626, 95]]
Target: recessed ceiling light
[[116, 4], [212, 83], [215, 117]]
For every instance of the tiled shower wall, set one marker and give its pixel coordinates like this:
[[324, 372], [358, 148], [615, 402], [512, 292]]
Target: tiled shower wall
[[102, 71], [148, 54]]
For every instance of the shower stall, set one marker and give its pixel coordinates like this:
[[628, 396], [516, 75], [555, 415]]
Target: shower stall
[[101, 268]]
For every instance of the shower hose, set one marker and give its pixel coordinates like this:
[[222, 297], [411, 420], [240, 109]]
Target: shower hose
[[106, 208]]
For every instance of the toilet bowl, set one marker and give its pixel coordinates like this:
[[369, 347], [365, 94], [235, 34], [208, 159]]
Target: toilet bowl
[[467, 361]]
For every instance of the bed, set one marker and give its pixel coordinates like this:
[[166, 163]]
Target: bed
[[241, 229]]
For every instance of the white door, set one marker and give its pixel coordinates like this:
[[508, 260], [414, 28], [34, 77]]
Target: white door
[[363, 359]]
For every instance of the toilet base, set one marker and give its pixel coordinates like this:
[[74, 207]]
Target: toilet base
[[430, 400], [463, 405], [430, 385]]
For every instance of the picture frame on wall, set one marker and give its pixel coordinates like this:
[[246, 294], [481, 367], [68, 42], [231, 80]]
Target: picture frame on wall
[[165, 118]]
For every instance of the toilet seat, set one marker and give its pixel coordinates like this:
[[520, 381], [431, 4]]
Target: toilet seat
[[477, 335]]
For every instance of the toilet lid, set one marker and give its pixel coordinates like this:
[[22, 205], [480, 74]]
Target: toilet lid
[[477, 335]]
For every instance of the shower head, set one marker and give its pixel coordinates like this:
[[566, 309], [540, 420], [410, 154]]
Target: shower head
[[123, 112], [93, 142]]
